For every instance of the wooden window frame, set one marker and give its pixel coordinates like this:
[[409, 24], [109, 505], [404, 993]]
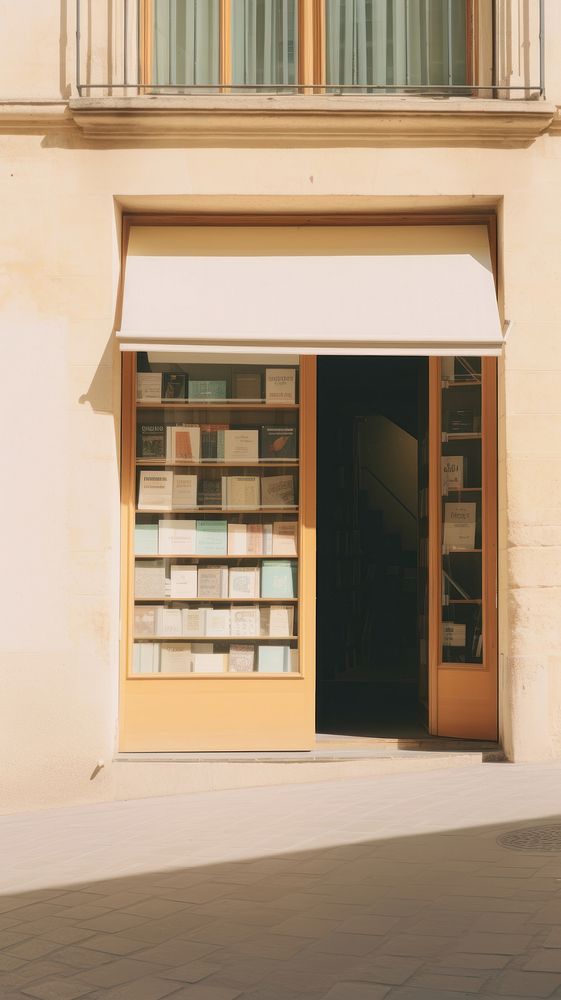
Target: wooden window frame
[[311, 66]]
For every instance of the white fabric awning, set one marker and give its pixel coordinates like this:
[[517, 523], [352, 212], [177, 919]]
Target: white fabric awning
[[414, 290]]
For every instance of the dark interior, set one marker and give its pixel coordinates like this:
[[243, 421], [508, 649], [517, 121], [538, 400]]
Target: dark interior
[[371, 588]]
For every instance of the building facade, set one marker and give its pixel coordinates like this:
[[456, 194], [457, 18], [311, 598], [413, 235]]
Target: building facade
[[236, 227]]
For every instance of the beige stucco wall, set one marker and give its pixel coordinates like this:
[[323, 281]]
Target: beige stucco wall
[[60, 201]]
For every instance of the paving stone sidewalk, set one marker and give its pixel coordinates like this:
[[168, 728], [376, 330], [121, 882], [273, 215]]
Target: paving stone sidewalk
[[390, 887]]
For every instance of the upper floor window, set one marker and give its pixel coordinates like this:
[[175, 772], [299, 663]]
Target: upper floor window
[[332, 44]]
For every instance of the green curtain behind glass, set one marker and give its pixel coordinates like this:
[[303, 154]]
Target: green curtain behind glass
[[264, 49], [396, 42], [186, 42]]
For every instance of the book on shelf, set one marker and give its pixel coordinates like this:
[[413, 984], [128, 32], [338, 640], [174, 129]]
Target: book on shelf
[[264, 620], [245, 621], [452, 471], [177, 537], [281, 621], [277, 491], [168, 622], [212, 581], [156, 490], [285, 538], [210, 492], [173, 385], [241, 658], [184, 583], [207, 389], [246, 385], [461, 422], [280, 385], [274, 659], [459, 525], [151, 441], [212, 442], [246, 539], [146, 658], [175, 658], [241, 445], [212, 537], [149, 387], [278, 578], [453, 634], [183, 443], [193, 621], [184, 491], [243, 582], [146, 539], [240, 491], [149, 580], [278, 443], [217, 622], [206, 661], [145, 620]]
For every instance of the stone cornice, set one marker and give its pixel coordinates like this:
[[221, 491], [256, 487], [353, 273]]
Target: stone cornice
[[298, 120], [318, 120]]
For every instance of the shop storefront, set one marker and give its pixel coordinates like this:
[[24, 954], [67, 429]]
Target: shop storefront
[[276, 550]]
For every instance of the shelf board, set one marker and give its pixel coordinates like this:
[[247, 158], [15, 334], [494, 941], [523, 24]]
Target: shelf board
[[218, 510], [237, 640], [460, 552], [462, 489], [474, 600], [190, 555], [207, 404], [216, 600], [463, 436], [211, 464], [468, 384]]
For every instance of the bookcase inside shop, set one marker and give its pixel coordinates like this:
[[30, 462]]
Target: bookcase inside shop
[[216, 522], [462, 511]]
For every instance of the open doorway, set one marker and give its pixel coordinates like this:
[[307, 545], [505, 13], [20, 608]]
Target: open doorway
[[371, 585]]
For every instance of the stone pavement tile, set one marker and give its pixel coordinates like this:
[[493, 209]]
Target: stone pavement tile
[[31, 972], [495, 944], [257, 893], [545, 960], [121, 900], [505, 923], [32, 948], [40, 927], [414, 944], [356, 991], [8, 963], [347, 944], [550, 913], [57, 989], [460, 984], [193, 972], [154, 908], [67, 935], [155, 931], [245, 911], [272, 946], [553, 939], [305, 926], [175, 952], [339, 911], [113, 944], [202, 991], [37, 910], [10, 938], [205, 892], [394, 907], [372, 924], [305, 901], [84, 912], [527, 984], [442, 925], [386, 969], [463, 960], [151, 988], [124, 970], [81, 958], [7, 922], [420, 993], [112, 923], [488, 904], [77, 898], [221, 932]]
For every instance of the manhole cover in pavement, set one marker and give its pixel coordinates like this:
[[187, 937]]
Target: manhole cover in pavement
[[533, 838]]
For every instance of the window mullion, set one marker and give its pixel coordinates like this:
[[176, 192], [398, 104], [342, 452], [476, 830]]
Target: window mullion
[[225, 45]]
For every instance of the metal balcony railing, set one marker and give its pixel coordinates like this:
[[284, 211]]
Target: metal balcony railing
[[115, 56]]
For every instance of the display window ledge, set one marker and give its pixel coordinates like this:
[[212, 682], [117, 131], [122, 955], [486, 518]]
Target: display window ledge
[[313, 120]]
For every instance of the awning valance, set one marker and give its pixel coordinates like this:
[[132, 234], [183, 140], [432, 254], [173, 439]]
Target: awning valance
[[414, 290]]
